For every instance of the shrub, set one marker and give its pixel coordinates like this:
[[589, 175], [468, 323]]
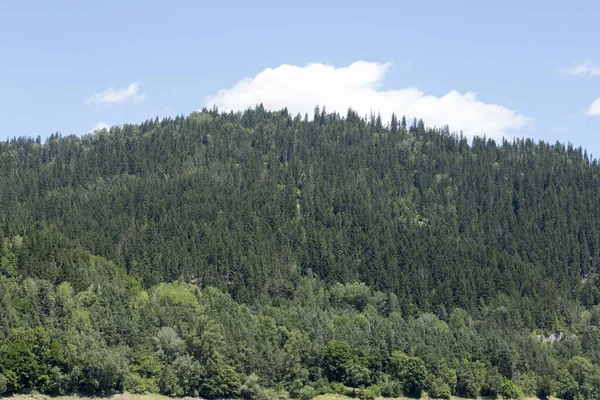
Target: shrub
[[340, 388], [252, 390], [370, 393], [134, 384], [391, 388], [439, 389], [306, 393], [3, 384], [322, 387], [545, 388], [509, 390], [294, 387]]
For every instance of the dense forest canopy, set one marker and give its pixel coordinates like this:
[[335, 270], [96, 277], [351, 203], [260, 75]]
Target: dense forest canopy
[[264, 254]]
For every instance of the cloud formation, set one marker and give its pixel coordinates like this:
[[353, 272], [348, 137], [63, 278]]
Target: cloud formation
[[117, 95], [585, 69], [99, 126], [358, 86], [594, 109]]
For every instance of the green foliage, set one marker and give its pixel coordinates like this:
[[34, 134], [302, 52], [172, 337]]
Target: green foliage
[[568, 388], [340, 388], [8, 262], [168, 344], [492, 384], [306, 393], [509, 390], [546, 388], [168, 382], [470, 378], [134, 383], [355, 295], [220, 381], [183, 256], [252, 390], [27, 359], [338, 361], [188, 371], [370, 393], [391, 388], [325, 197], [4, 384], [96, 368], [438, 389], [586, 375], [411, 371]]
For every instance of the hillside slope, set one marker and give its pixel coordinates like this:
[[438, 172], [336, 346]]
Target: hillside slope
[[262, 243]]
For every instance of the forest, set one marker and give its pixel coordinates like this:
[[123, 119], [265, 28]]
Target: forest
[[262, 255]]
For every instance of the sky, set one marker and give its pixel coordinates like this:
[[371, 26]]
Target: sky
[[499, 68]]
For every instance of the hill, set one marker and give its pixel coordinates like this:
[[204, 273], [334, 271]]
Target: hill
[[259, 253]]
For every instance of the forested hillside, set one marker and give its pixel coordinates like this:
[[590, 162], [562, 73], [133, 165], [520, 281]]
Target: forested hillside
[[263, 255]]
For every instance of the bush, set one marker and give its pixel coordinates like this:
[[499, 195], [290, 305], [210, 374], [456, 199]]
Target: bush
[[545, 388], [134, 384], [11, 380], [322, 387], [252, 390], [370, 393], [527, 382], [272, 394], [340, 388], [439, 389], [3, 384], [306, 393], [294, 388], [391, 388], [28, 356], [509, 390]]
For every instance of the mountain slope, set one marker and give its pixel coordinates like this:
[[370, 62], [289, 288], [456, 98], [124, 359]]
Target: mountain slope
[[190, 253], [249, 202]]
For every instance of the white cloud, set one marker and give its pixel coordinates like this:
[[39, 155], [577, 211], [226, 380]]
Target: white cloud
[[594, 108], [358, 86], [117, 95], [99, 126], [585, 69]]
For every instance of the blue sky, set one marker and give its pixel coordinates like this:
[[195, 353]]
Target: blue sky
[[59, 61]]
